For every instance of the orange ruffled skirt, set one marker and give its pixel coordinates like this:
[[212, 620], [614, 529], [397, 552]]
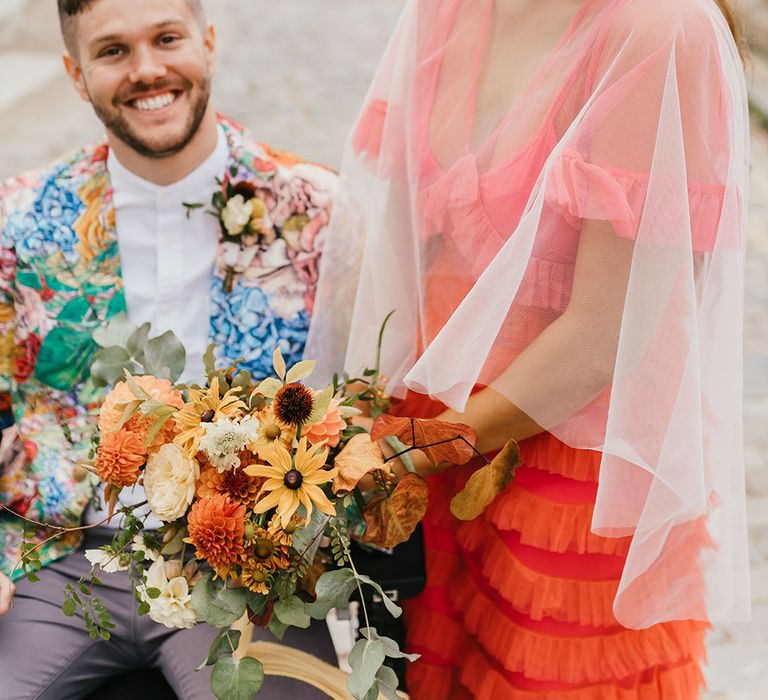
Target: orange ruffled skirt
[[518, 604]]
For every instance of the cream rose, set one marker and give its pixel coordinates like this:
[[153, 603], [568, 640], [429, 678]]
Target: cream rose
[[169, 482]]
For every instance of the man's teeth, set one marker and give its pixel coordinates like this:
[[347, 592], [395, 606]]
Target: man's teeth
[[153, 103]]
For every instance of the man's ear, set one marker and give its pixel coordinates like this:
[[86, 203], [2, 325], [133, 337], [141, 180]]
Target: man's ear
[[209, 41], [75, 74]]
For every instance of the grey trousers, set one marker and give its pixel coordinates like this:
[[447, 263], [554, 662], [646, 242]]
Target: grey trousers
[[47, 656]]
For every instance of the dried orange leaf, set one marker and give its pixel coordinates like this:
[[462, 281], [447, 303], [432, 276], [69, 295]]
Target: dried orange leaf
[[417, 432], [486, 483], [359, 457], [390, 521]]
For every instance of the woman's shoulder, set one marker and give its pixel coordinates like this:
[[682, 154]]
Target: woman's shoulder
[[657, 24], [694, 30]]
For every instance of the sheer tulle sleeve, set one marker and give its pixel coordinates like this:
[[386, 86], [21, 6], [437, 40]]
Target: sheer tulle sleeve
[[647, 77]]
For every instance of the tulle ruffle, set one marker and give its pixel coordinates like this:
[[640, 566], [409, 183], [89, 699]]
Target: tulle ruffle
[[548, 454], [584, 190], [605, 655], [487, 682], [556, 527], [534, 593], [519, 602]]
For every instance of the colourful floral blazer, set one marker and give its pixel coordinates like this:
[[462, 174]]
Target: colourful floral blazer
[[60, 280]]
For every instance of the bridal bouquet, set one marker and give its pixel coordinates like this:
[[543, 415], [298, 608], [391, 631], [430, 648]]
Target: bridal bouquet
[[256, 484]]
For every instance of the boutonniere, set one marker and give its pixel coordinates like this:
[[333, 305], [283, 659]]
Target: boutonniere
[[240, 206]]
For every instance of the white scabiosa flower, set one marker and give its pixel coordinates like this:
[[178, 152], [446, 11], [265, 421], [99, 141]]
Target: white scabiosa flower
[[225, 438], [173, 606], [236, 215], [106, 560]]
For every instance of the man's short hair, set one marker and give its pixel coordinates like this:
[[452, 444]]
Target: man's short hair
[[70, 9]]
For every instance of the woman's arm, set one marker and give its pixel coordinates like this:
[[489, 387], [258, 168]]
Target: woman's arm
[[573, 358]]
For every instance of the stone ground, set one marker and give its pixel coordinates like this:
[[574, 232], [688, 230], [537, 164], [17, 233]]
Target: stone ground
[[296, 72]]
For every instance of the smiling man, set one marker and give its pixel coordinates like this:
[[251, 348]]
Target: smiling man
[[105, 230]]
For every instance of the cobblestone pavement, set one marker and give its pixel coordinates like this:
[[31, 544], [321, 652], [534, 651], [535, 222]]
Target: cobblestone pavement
[[296, 72]]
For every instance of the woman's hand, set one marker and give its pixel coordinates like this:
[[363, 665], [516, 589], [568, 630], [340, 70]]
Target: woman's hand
[[7, 591]]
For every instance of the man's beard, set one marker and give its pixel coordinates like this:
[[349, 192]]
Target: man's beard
[[115, 122]]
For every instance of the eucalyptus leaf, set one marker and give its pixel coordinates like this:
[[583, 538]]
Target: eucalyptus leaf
[[388, 683], [394, 610], [277, 627], [237, 679], [391, 647], [332, 590], [291, 612], [366, 658], [306, 540], [109, 365], [165, 356], [225, 643], [137, 340], [218, 605], [284, 587], [115, 333], [300, 371], [257, 603]]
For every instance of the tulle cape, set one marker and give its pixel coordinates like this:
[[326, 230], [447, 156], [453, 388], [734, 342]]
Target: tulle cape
[[601, 207]]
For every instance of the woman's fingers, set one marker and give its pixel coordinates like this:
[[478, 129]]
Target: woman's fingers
[[7, 591]]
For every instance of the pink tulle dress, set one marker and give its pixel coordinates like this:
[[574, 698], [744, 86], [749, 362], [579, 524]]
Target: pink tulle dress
[[596, 573], [518, 604]]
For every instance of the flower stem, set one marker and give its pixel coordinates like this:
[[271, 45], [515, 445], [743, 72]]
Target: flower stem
[[59, 531]]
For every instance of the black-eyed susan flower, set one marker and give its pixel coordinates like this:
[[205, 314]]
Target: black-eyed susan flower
[[293, 480]]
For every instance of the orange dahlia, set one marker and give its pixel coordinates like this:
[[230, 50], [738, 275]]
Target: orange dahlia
[[236, 483], [216, 528], [120, 457]]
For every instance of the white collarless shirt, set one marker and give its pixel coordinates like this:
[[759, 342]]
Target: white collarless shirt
[[167, 260]]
